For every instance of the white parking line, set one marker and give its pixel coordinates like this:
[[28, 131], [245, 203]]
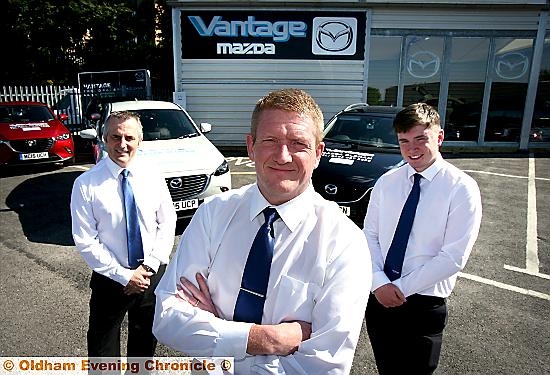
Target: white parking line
[[493, 173], [532, 250], [527, 292], [527, 272], [81, 167], [504, 175]]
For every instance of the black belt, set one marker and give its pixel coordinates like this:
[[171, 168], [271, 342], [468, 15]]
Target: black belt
[[422, 299]]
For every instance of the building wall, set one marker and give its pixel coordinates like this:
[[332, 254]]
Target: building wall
[[224, 91]]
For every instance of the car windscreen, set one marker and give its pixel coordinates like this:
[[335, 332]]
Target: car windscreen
[[25, 113], [160, 124], [362, 128]]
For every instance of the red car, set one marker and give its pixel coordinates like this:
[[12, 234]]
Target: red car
[[30, 133]]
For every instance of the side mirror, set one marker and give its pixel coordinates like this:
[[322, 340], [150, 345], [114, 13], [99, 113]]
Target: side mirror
[[88, 134], [62, 117], [206, 127]]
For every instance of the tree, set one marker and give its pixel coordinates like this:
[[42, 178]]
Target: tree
[[51, 41]]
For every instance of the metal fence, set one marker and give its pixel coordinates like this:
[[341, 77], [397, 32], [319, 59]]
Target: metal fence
[[45, 94], [62, 99]]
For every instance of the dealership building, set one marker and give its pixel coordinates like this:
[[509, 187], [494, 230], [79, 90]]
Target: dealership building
[[484, 64]]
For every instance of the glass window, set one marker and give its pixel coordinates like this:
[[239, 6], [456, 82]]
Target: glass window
[[540, 126], [384, 61], [422, 70], [508, 89], [467, 70]]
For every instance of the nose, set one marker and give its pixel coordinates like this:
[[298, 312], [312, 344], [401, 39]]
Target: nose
[[282, 154]]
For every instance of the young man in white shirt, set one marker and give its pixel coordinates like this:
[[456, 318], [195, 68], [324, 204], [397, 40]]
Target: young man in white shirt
[[319, 275], [121, 282], [407, 313]]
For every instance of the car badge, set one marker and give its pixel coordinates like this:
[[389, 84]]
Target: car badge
[[31, 142], [176, 183], [331, 189], [423, 64]]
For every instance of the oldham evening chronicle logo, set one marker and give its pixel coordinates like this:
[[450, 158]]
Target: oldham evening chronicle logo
[[334, 36]]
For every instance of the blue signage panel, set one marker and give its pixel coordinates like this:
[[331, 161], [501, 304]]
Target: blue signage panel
[[314, 35]]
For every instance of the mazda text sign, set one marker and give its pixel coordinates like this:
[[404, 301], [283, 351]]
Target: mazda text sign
[[273, 35]]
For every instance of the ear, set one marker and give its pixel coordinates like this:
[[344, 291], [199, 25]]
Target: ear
[[318, 153], [440, 137], [250, 146]]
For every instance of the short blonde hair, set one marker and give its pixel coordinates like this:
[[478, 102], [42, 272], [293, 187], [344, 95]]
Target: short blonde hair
[[291, 100]]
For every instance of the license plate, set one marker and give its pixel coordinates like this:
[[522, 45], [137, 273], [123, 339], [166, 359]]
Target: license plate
[[34, 155], [345, 209], [186, 205]]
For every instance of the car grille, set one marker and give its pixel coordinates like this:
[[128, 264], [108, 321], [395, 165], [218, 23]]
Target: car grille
[[186, 187], [32, 145]]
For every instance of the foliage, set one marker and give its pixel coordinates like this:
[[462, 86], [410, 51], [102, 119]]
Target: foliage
[[51, 41]]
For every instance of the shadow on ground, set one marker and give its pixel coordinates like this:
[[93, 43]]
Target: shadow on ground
[[43, 206]]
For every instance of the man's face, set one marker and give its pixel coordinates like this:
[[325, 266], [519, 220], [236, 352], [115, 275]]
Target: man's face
[[122, 140], [285, 154], [420, 146]]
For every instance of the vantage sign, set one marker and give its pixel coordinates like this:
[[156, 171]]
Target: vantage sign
[[315, 35]]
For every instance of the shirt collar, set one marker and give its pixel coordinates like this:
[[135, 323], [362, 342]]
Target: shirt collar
[[292, 212], [430, 172], [116, 169]]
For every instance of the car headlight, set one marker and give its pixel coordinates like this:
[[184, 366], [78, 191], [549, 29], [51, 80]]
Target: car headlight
[[63, 136], [223, 168]]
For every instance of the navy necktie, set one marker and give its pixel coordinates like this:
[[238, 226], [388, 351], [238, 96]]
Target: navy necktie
[[133, 233], [396, 253], [250, 301]]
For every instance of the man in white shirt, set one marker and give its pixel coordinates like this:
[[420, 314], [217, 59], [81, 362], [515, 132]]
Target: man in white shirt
[[120, 283], [407, 313], [319, 276]]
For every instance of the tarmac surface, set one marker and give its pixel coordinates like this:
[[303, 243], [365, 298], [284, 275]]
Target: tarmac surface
[[499, 312]]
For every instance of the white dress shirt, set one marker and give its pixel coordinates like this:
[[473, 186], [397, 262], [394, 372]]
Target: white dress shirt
[[98, 222], [445, 227], [320, 273]]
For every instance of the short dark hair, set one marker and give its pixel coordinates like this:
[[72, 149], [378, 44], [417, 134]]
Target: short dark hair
[[416, 114]]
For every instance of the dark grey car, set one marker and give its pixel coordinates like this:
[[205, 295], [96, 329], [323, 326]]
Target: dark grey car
[[360, 146]]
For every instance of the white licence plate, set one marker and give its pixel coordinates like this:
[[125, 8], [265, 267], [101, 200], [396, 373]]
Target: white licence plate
[[34, 155], [186, 205], [345, 209]]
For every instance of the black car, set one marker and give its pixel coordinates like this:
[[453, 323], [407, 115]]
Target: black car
[[360, 146]]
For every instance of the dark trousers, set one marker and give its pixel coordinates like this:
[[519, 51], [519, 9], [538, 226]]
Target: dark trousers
[[108, 307], [407, 339]]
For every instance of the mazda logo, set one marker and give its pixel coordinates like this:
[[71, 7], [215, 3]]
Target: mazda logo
[[423, 64], [331, 189], [31, 142], [334, 36], [176, 183], [512, 65]]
